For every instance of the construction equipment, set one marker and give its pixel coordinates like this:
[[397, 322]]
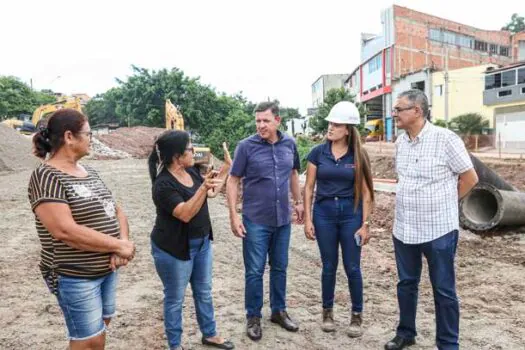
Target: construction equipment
[[175, 121], [23, 127], [42, 113], [374, 128]]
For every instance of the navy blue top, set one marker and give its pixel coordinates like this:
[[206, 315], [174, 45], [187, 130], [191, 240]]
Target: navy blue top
[[335, 177], [266, 169]]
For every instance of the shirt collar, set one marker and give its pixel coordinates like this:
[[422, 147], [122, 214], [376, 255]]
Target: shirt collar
[[327, 150], [280, 137], [426, 128]]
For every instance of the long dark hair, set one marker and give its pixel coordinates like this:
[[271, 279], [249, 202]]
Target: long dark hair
[[363, 173], [171, 144], [50, 139]]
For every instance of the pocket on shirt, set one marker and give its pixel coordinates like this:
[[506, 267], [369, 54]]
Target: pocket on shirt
[[430, 167]]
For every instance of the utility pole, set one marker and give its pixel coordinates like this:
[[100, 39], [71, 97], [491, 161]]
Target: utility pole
[[446, 85]]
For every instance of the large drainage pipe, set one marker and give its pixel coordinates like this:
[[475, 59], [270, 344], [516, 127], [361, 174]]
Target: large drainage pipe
[[487, 175], [487, 207], [493, 202]]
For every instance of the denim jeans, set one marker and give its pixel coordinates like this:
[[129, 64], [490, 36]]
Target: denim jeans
[[85, 304], [335, 223], [262, 241], [175, 275], [440, 254]]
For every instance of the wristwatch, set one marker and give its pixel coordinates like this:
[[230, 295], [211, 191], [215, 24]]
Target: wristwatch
[[366, 222], [298, 202]]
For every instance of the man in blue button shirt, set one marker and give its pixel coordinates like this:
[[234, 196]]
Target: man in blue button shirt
[[268, 165]]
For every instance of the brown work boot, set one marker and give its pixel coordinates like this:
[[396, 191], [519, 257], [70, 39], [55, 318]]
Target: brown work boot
[[328, 320], [355, 329]]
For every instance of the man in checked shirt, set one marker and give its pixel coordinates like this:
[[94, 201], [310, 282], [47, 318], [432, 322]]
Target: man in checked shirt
[[434, 172]]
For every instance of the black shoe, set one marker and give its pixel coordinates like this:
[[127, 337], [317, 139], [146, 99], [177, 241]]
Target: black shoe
[[253, 328], [399, 343], [282, 319], [228, 345]]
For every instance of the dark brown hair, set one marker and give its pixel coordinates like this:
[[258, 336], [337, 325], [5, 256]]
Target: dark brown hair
[[50, 139], [363, 173], [263, 106]]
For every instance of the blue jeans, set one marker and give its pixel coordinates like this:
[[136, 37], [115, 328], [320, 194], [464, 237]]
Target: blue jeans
[[440, 254], [335, 224], [175, 275], [85, 304], [260, 241]]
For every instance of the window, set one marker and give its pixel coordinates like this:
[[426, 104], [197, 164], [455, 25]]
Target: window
[[465, 41], [492, 81], [438, 90], [435, 34], [387, 62], [504, 51], [493, 49], [521, 76], [374, 64], [508, 78], [449, 37], [523, 90], [504, 93], [480, 45]]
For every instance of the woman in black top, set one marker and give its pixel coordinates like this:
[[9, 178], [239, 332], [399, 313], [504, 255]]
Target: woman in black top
[[180, 239]]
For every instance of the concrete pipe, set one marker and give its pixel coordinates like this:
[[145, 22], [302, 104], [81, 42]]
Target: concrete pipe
[[487, 207], [487, 175]]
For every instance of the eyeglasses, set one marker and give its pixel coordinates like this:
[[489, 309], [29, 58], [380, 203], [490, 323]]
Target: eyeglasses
[[396, 110], [88, 133], [191, 149]]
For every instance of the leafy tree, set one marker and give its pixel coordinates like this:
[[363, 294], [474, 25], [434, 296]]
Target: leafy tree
[[516, 24], [17, 98], [304, 146], [101, 109], [469, 124], [317, 122], [441, 122]]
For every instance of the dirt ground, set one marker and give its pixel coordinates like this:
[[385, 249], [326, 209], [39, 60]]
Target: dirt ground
[[490, 277]]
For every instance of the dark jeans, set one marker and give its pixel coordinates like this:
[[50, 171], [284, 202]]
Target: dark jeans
[[175, 275], [262, 241], [440, 255], [335, 224]]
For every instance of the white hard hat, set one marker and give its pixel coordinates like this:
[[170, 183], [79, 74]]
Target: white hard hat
[[344, 112]]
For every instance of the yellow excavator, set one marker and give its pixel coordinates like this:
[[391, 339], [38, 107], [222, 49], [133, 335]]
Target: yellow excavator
[[42, 113], [175, 121]]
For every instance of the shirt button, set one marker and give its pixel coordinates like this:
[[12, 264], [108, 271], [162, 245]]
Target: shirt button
[[277, 201]]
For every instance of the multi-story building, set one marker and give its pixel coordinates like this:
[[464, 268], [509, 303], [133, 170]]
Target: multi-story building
[[324, 84], [505, 94], [465, 93], [412, 45]]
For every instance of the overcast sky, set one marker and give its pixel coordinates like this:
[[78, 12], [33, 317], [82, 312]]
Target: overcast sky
[[267, 48]]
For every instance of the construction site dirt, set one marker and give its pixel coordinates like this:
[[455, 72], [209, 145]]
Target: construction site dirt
[[490, 281]]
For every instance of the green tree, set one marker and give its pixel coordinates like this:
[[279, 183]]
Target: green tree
[[333, 96], [441, 122], [304, 146], [469, 124], [516, 24], [101, 109], [17, 98]]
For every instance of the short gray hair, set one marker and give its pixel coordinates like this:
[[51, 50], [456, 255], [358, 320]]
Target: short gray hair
[[419, 98]]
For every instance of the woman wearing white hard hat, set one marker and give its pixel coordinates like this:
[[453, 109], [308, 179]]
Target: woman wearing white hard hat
[[343, 202]]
